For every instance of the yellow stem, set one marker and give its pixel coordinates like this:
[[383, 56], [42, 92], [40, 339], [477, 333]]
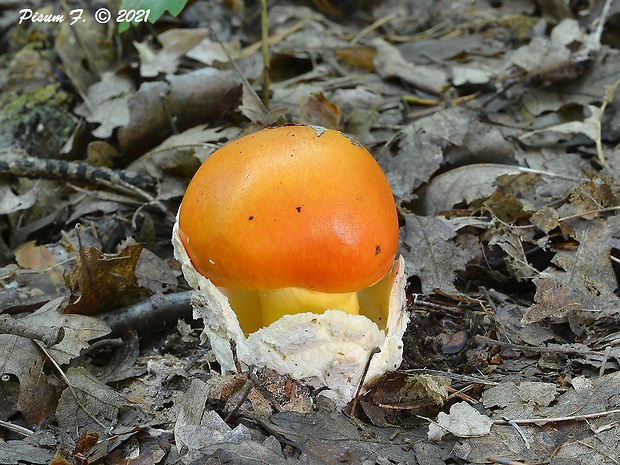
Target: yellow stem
[[289, 300]]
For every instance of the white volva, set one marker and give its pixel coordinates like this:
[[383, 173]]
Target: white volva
[[323, 350]]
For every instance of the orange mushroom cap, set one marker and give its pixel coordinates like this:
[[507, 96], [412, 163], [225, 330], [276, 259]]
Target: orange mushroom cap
[[293, 206]]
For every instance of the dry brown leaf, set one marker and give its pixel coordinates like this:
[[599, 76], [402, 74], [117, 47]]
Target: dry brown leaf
[[511, 241], [464, 184], [418, 394], [90, 406], [316, 109], [389, 63], [102, 282], [180, 155], [29, 391], [191, 99], [586, 286], [86, 51], [22, 357], [431, 254], [78, 329]]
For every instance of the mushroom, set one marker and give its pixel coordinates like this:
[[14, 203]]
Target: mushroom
[[290, 236]]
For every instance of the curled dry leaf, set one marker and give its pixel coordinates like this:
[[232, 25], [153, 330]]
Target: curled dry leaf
[[11, 202], [463, 421], [78, 329], [198, 97], [175, 43], [418, 394], [106, 103], [389, 63], [104, 281], [25, 389]]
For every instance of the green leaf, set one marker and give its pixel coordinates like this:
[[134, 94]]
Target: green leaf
[[157, 9]]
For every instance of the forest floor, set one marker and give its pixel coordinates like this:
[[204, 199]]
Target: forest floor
[[497, 124]]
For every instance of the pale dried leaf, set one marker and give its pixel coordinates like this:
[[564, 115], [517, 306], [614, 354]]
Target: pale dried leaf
[[464, 184], [78, 330], [389, 63], [540, 54], [463, 421], [11, 202], [106, 103], [175, 43]]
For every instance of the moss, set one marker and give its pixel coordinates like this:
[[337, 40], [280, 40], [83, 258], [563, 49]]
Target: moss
[[38, 121]]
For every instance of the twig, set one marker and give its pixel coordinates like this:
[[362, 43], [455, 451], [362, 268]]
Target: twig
[[609, 95], [555, 350], [235, 356], [15, 428], [49, 336], [150, 314], [458, 311], [25, 166], [605, 454], [264, 391], [70, 386], [376, 25], [598, 32], [504, 461], [544, 421], [519, 430], [261, 114], [372, 353], [264, 26], [249, 385], [456, 376]]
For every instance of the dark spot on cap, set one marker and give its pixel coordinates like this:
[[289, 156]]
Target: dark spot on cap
[[377, 249], [251, 218], [298, 209]]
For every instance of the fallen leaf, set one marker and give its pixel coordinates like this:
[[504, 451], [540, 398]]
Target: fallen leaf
[[417, 394], [316, 109], [463, 421], [78, 329], [89, 406], [583, 282], [106, 103], [464, 184], [191, 99], [389, 63], [29, 392], [431, 254], [175, 44], [11, 202], [101, 282]]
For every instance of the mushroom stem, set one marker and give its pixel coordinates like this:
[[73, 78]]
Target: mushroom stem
[[278, 302]]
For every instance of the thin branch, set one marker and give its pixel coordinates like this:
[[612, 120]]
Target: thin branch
[[544, 421]]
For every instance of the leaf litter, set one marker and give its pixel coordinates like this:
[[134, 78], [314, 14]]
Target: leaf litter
[[496, 124]]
